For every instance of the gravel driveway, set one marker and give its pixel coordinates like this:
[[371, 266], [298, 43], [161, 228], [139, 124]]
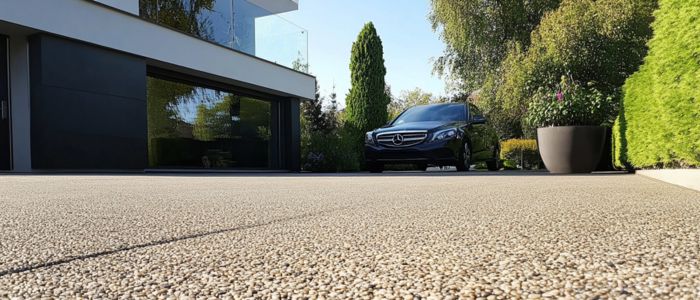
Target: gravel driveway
[[401, 235]]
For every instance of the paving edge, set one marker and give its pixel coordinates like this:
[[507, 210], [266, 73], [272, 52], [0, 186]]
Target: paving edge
[[687, 178]]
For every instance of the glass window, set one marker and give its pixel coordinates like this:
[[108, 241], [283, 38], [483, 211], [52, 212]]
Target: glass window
[[237, 24], [436, 112], [474, 111], [196, 127]]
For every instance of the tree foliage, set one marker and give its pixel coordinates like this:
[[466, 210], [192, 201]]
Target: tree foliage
[[601, 42], [317, 119], [332, 113], [659, 123], [477, 34], [367, 100], [408, 99], [327, 148]]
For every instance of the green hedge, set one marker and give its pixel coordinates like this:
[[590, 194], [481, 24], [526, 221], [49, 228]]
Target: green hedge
[[659, 123], [520, 153]]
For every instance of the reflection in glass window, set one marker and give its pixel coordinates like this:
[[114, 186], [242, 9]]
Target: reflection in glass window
[[237, 24], [227, 22], [195, 127]]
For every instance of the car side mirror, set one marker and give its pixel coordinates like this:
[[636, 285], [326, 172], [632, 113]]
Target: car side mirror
[[478, 120]]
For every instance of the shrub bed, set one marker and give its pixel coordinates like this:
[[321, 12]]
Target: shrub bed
[[520, 153]]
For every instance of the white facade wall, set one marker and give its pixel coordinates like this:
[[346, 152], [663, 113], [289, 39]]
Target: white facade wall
[[95, 24], [130, 6]]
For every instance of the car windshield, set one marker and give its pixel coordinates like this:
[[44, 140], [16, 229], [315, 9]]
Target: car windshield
[[427, 113]]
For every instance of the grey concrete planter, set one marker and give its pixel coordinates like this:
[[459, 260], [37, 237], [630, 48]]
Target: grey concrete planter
[[571, 149]]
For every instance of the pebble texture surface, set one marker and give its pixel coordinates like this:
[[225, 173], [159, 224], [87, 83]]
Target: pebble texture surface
[[398, 236]]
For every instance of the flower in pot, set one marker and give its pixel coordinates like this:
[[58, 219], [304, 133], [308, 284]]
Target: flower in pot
[[570, 124]]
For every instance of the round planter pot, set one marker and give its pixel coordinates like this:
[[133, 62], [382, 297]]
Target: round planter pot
[[571, 149]]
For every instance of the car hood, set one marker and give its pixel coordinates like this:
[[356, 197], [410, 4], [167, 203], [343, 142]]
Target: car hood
[[431, 126]]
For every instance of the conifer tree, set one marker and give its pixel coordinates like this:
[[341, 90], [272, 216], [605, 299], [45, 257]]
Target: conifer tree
[[313, 112], [367, 100]]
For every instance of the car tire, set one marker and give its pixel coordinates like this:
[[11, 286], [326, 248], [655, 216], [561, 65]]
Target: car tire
[[494, 164], [375, 167], [465, 158]]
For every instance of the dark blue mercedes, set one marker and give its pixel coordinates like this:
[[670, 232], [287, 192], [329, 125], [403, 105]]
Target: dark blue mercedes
[[449, 134]]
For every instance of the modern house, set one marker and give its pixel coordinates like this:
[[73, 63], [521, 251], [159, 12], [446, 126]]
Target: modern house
[[108, 85]]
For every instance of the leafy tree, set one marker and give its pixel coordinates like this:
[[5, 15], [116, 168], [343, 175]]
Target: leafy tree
[[312, 112], [313, 117], [300, 64], [367, 100], [390, 97], [330, 150], [477, 34], [601, 42], [408, 99]]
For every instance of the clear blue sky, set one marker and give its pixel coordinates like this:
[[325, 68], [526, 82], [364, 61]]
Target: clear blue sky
[[409, 42]]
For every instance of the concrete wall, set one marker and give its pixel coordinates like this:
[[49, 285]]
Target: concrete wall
[[160, 46], [130, 6], [277, 6]]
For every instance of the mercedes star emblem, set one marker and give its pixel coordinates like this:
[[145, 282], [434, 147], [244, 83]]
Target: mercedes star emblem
[[398, 139]]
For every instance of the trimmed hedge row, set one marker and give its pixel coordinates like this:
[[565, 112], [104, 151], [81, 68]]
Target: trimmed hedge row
[[659, 122], [522, 153]]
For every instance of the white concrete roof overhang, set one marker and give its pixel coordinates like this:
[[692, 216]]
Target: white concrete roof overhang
[[277, 6], [163, 47]]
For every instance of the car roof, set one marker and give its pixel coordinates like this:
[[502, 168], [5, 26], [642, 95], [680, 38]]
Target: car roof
[[440, 104]]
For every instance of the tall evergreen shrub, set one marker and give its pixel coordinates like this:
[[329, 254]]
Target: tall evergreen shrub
[[367, 100], [659, 123]]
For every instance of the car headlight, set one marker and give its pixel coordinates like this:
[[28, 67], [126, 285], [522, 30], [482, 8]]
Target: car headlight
[[369, 139], [444, 135]]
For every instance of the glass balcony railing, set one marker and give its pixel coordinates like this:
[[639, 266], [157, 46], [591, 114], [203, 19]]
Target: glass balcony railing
[[237, 24]]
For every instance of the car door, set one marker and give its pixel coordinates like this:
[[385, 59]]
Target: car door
[[480, 136]]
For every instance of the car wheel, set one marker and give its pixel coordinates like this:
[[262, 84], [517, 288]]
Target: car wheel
[[375, 167], [494, 164], [465, 158]]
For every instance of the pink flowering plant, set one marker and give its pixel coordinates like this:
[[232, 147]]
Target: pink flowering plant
[[571, 104]]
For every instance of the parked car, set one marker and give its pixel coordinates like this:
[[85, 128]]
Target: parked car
[[449, 134]]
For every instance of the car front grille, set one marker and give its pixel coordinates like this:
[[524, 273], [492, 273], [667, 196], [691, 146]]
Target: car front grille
[[401, 138]]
